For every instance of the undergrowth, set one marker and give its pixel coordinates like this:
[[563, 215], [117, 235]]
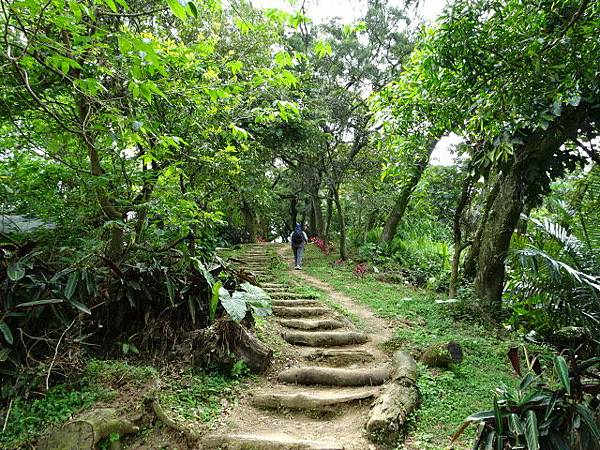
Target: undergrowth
[[200, 396], [447, 396]]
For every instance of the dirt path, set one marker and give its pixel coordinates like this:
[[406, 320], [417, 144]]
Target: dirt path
[[318, 394]]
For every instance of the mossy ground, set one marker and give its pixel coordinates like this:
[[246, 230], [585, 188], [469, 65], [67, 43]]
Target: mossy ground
[[447, 396]]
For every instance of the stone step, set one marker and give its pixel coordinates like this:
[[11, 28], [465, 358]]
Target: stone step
[[296, 302], [318, 324], [274, 285], [311, 400], [325, 338], [290, 295], [265, 442], [340, 357], [333, 376], [299, 311]]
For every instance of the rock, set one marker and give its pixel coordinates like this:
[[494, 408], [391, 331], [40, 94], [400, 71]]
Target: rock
[[442, 355]]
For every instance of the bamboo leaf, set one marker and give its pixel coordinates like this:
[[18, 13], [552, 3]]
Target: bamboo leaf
[[71, 284]]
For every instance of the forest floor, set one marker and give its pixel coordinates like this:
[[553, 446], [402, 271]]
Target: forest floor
[[393, 316]]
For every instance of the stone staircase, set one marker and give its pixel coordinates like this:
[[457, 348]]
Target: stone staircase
[[320, 398]]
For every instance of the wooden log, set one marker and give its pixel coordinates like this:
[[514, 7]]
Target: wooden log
[[318, 324], [329, 376], [390, 411], [324, 338], [442, 355], [84, 432]]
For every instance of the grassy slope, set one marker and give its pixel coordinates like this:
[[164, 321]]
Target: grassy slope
[[447, 396]]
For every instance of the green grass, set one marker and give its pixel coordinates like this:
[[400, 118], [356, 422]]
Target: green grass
[[447, 396], [30, 417], [199, 396]]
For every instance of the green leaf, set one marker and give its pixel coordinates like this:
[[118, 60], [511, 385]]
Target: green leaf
[[192, 7], [6, 332], [71, 284], [235, 304], [588, 418], [111, 5], [562, 372], [48, 301], [80, 306], [178, 9], [15, 271], [199, 265], [258, 300], [531, 431], [214, 301], [514, 424], [171, 290], [478, 417]]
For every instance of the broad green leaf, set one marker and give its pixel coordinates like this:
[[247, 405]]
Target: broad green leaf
[[15, 271], [562, 372], [235, 304], [6, 332], [72, 282], [514, 424], [214, 301], [199, 265], [258, 300], [178, 9], [531, 431], [588, 418]]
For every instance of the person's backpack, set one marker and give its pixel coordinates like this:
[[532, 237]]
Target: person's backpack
[[297, 238]]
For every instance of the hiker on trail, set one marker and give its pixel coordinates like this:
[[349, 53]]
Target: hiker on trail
[[298, 239]]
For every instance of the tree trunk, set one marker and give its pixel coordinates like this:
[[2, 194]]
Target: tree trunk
[[250, 222], [465, 196], [470, 266], [342, 220], [525, 178], [329, 216], [391, 223], [319, 229], [294, 211]]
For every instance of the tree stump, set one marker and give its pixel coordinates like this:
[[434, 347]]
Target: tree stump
[[227, 342], [86, 431], [442, 355]]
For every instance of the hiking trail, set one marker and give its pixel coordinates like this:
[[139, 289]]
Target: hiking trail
[[317, 394]]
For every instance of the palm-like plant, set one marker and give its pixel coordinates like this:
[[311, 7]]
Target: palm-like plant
[[555, 270]]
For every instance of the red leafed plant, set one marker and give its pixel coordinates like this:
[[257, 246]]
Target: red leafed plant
[[323, 246], [360, 270]]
